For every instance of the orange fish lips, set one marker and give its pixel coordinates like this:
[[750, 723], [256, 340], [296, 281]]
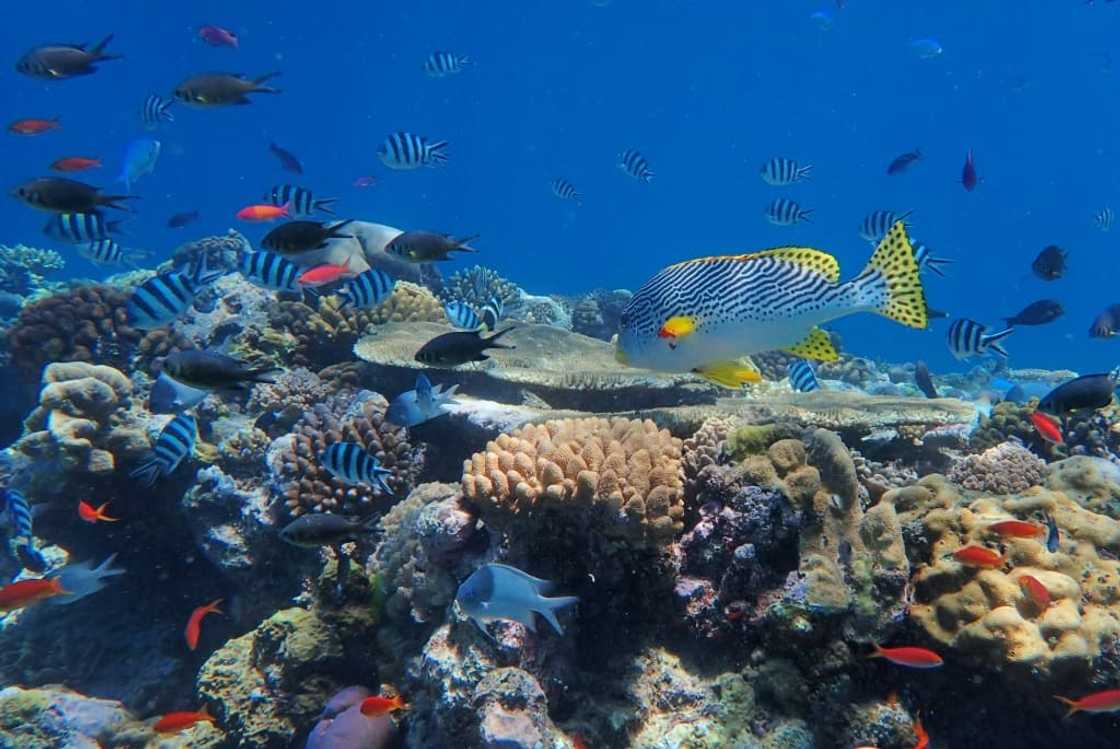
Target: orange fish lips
[[979, 556], [1017, 529]]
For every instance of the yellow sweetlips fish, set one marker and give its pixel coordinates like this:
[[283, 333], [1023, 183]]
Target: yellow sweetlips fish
[[708, 315]]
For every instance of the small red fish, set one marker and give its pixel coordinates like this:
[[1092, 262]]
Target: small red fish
[[578, 742], [379, 705], [968, 174], [194, 624], [264, 212], [33, 126], [1033, 589], [1098, 702], [26, 592], [908, 656], [979, 556], [1017, 529], [920, 734], [366, 181], [175, 722], [75, 164], [324, 274], [1047, 427], [88, 513], [216, 36]]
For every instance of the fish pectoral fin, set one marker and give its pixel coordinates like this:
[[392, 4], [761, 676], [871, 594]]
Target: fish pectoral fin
[[817, 345], [730, 374]]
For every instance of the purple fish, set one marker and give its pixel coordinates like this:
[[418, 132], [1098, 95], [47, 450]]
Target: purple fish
[[968, 174], [216, 36]]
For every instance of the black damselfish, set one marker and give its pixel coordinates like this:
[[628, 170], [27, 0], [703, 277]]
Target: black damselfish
[[460, 347], [1091, 391]]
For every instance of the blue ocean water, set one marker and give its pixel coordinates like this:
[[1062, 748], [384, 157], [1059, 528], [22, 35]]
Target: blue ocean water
[[706, 91]]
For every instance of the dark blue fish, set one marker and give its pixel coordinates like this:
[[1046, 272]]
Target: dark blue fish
[[349, 462], [802, 377], [161, 299], [175, 442], [367, 289], [287, 159], [403, 150], [108, 252], [1053, 535], [1016, 394], [633, 163], [269, 271]]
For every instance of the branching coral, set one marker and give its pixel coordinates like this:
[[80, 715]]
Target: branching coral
[[617, 477], [22, 268], [308, 487], [1003, 469]]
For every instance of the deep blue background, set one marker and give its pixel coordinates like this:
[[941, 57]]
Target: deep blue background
[[706, 90]]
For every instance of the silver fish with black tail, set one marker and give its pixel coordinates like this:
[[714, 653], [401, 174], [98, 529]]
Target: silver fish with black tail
[[174, 443], [209, 370], [349, 462], [170, 396], [424, 403], [368, 289], [968, 338], [314, 529]]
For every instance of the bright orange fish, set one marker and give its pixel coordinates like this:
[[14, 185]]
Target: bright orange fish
[[1107, 701], [75, 164], [1047, 427], [261, 212], [26, 592], [1017, 529], [324, 274], [379, 705], [194, 624], [908, 656], [33, 126], [175, 722], [88, 513], [920, 734], [1033, 589], [979, 556]]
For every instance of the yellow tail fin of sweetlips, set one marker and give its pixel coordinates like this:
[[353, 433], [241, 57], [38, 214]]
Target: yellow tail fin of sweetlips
[[731, 374], [817, 345], [905, 299]]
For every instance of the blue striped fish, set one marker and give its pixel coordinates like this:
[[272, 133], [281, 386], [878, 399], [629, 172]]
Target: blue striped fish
[[161, 299], [403, 150], [154, 112], [462, 315], [19, 516], [269, 271], [1104, 219], [442, 64], [565, 190], [350, 463], [927, 260], [802, 378], [367, 289], [492, 313], [781, 172], [876, 224], [969, 338], [80, 228], [786, 212], [300, 200], [174, 443], [108, 252], [705, 315], [634, 164]]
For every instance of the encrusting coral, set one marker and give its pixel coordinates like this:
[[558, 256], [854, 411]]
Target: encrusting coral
[[617, 477], [1004, 469]]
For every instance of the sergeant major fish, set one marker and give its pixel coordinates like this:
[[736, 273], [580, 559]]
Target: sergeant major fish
[[174, 443], [350, 463], [161, 299], [402, 150], [1104, 219], [80, 228], [802, 378], [492, 313], [300, 200], [565, 190], [498, 591], [108, 252], [421, 404], [633, 163], [462, 315], [876, 224], [786, 212], [368, 289], [780, 172], [155, 112], [18, 516], [268, 270], [722, 308], [969, 338], [927, 260], [443, 64]]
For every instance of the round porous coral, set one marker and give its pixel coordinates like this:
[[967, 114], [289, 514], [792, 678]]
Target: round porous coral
[[618, 477], [1004, 469], [309, 487]]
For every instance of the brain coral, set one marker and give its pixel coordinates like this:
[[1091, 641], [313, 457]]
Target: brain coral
[[985, 612], [308, 487], [1004, 469], [620, 477]]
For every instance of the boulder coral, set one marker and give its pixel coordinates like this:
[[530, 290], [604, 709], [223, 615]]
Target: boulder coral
[[620, 478], [1004, 469]]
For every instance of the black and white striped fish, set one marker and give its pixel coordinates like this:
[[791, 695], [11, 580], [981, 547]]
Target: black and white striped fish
[[876, 224], [174, 443], [442, 64], [565, 190], [802, 378], [462, 316], [403, 150], [161, 299], [492, 313], [780, 172], [1104, 219], [927, 260], [80, 228], [367, 289], [786, 212], [108, 252], [269, 271], [300, 200], [18, 516], [350, 463], [634, 164], [154, 112], [969, 338]]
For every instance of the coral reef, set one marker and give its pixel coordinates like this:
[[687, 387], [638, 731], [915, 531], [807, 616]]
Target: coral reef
[[57, 717], [220, 252], [22, 268], [292, 393], [308, 487], [1006, 468], [597, 313], [478, 285], [619, 478]]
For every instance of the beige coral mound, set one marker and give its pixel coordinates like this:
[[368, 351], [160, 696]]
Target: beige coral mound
[[621, 475], [1004, 469]]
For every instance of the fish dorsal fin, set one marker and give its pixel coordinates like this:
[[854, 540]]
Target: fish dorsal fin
[[806, 257], [817, 345]]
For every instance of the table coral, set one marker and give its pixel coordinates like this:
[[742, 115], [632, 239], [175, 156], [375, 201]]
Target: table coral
[[617, 477], [1004, 469]]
